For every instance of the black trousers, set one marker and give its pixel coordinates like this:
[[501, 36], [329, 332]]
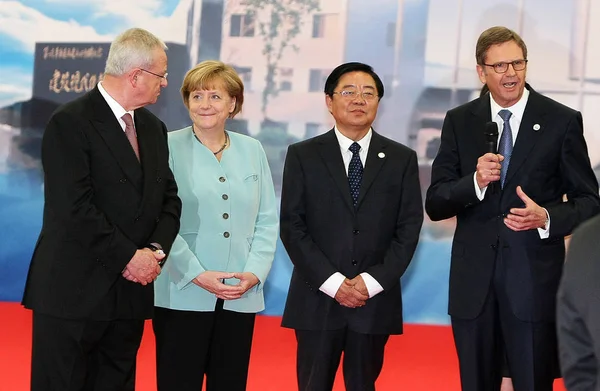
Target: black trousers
[[497, 343], [84, 355], [319, 354], [192, 344]]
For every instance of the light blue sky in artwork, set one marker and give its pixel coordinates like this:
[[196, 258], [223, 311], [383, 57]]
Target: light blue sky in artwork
[[450, 35], [22, 23]]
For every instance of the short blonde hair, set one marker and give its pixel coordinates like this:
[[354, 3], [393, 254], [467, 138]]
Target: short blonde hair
[[206, 74]]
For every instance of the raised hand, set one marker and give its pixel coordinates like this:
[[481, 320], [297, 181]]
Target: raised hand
[[532, 216], [488, 169]]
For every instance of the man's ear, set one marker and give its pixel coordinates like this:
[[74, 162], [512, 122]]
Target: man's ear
[[328, 102], [132, 76], [481, 73]]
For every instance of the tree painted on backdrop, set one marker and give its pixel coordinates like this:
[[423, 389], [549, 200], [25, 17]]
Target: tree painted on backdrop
[[283, 20], [278, 23]]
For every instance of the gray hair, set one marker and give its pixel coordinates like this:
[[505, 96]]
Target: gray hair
[[132, 49]]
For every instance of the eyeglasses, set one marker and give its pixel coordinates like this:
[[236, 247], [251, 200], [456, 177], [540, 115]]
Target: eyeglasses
[[156, 74], [502, 67], [351, 95]]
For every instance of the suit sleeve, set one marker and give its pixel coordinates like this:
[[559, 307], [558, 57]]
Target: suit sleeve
[[451, 191], [183, 265], [167, 226], [578, 362], [262, 250], [306, 256], [577, 316], [70, 194], [406, 234], [581, 183]]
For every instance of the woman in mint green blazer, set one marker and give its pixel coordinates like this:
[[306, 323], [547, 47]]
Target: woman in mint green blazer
[[211, 287]]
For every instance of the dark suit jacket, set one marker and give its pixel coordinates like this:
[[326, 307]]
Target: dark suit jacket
[[101, 205], [547, 163], [323, 232], [578, 310]]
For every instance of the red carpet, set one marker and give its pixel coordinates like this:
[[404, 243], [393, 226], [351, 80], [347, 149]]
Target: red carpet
[[423, 359]]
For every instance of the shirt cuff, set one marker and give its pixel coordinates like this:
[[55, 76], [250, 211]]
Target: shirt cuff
[[373, 287], [479, 192], [332, 284], [544, 232]]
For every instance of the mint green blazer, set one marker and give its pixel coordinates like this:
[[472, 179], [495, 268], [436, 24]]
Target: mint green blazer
[[229, 221]]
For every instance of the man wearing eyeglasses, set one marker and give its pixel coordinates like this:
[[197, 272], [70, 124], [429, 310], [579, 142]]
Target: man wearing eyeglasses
[[351, 212], [111, 213], [508, 248]]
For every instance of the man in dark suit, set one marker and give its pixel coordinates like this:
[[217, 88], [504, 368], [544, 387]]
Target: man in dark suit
[[508, 248], [578, 310], [351, 212], [111, 213]]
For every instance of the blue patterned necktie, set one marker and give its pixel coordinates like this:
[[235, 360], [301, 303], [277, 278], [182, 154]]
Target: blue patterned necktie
[[355, 172], [506, 144]]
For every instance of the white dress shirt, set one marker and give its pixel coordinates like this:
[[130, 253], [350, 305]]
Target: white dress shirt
[[333, 283], [517, 110], [116, 108]]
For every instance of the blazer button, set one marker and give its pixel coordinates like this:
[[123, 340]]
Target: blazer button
[[159, 179], [356, 232], [137, 219], [226, 234], [225, 197], [225, 216], [123, 180], [354, 262], [156, 220], [222, 179]]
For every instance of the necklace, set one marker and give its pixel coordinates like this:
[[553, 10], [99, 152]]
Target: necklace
[[220, 149]]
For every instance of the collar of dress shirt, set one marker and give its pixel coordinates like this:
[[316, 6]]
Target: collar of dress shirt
[[116, 108], [517, 109], [346, 142]]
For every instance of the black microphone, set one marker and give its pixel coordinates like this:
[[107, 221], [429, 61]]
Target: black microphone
[[491, 143], [491, 137]]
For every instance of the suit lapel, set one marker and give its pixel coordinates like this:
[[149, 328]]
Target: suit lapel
[[329, 149], [482, 115], [528, 134], [372, 166], [148, 153], [113, 135]]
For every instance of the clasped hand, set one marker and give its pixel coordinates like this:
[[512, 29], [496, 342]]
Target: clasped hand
[[352, 293], [143, 268], [214, 282]]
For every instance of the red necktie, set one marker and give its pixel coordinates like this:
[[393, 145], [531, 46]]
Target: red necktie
[[130, 133]]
